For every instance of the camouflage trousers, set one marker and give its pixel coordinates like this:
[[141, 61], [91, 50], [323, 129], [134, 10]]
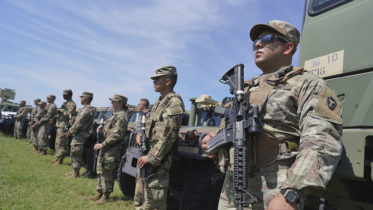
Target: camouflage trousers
[[76, 152], [18, 129], [34, 137], [153, 195], [43, 136], [28, 133], [264, 185], [61, 143], [106, 164]]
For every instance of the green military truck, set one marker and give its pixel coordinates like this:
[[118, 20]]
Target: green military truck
[[336, 45]]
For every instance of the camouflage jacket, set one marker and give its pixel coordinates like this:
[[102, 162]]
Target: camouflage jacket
[[300, 109], [34, 112], [40, 114], [114, 129], [162, 127], [51, 112], [21, 114], [84, 122], [63, 115]]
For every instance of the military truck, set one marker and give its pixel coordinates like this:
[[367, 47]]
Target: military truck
[[8, 110], [195, 181], [336, 45]]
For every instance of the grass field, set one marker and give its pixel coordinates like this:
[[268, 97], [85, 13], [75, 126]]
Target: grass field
[[29, 181]]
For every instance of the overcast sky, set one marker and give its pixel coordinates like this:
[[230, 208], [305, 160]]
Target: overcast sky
[[113, 47]]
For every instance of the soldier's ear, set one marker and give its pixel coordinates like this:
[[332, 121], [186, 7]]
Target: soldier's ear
[[289, 48], [168, 81]]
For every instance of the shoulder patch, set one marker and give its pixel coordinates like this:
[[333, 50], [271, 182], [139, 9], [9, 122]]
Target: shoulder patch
[[176, 106], [328, 106]]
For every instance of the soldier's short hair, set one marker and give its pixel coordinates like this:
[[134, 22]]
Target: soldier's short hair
[[173, 79]]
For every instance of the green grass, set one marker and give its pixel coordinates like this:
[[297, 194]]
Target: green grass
[[29, 181]]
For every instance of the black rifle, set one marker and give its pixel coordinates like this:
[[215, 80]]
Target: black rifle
[[66, 129], [143, 152], [242, 125], [99, 138]]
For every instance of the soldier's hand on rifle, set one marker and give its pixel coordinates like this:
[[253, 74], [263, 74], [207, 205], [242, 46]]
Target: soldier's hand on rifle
[[138, 140], [279, 203], [142, 161], [68, 134], [97, 146], [204, 143]]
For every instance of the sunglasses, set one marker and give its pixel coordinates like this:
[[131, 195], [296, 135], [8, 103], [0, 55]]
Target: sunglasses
[[268, 38]]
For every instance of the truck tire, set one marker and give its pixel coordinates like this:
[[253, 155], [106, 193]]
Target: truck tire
[[202, 188], [127, 184]]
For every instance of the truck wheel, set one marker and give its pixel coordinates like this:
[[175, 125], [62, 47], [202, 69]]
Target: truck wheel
[[202, 189], [127, 184]]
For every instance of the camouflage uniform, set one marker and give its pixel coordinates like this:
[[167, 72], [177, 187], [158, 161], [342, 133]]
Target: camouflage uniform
[[80, 131], [34, 135], [45, 125], [162, 129], [113, 132], [33, 114], [63, 116], [20, 121], [297, 108], [300, 142]]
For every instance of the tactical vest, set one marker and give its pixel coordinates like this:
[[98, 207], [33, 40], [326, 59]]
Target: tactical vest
[[154, 124], [267, 146]]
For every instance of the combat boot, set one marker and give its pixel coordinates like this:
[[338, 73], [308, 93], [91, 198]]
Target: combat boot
[[95, 197], [44, 152], [75, 174], [102, 200], [52, 162], [58, 161]]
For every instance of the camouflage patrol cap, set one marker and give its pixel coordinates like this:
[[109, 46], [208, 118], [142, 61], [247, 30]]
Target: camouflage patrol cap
[[165, 71], [51, 97], [87, 94], [37, 100], [119, 98], [42, 103], [22, 102], [282, 27], [67, 92]]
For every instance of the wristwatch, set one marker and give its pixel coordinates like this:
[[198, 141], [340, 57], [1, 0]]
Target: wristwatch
[[292, 196]]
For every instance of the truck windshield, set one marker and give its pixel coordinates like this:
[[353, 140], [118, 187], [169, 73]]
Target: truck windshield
[[207, 118], [319, 6]]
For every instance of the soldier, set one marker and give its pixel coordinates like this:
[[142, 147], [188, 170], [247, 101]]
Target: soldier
[[80, 131], [45, 124], [143, 107], [63, 120], [35, 125], [110, 149], [33, 114], [20, 120], [300, 142], [162, 127]]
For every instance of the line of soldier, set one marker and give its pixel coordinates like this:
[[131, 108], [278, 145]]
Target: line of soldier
[[299, 147]]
